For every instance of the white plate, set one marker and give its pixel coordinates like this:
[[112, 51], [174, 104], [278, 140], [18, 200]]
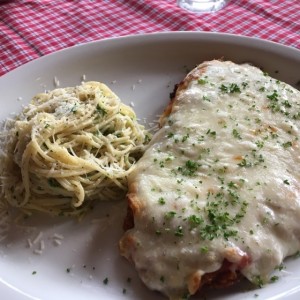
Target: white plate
[[142, 70]]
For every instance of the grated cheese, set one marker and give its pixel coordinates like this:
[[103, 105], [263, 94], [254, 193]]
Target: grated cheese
[[29, 243], [58, 236], [38, 251], [38, 237], [57, 242], [56, 82]]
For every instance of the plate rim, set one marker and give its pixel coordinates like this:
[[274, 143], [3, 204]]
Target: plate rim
[[210, 36]]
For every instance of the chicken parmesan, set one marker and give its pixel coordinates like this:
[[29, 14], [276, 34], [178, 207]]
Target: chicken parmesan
[[216, 196]]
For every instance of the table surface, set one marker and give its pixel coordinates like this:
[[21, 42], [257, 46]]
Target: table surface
[[30, 29]]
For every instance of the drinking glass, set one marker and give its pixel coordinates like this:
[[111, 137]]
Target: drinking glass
[[199, 6]]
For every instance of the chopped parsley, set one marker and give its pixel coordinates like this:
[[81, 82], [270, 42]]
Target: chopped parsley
[[74, 109], [179, 231], [170, 214], [244, 163], [287, 145], [236, 134], [101, 110], [259, 144], [231, 88], [274, 96], [204, 249], [211, 133], [161, 201], [274, 278], [170, 135], [280, 267], [202, 81], [297, 254], [53, 182], [257, 280], [189, 169], [185, 137], [195, 221]]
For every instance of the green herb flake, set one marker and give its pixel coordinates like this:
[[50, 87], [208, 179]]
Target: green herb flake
[[274, 96], [185, 137], [296, 116], [259, 144], [297, 254], [231, 184], [231, 88], [53, 182], [101, 110], [262, 89], [147, 138], [202, 81], [244, 163], [179, 231], [244, 84], [170, 214], [205, 98], [236, 134], [274, 278], [287, 145], [161, 201], [162, 164], [204, 249], [280, 267], [189, 169], [286, 104], [74, 109], [170, 122], [194, 220], [257, 280], [211, 133]]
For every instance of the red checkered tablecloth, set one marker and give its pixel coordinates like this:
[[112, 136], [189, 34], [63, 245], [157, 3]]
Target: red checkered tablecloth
[[30, 29]]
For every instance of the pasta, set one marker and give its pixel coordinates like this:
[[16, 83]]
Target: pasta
[[69, 147]]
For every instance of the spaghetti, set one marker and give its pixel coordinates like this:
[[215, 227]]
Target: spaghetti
[[69, 147]]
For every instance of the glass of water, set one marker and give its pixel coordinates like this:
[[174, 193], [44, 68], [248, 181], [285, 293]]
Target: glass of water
[[201, 6]]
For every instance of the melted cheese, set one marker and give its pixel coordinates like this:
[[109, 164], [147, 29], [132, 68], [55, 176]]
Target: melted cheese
[[219, 181]]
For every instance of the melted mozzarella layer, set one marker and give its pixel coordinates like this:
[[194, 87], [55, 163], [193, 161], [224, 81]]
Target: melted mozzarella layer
[[219, 181]]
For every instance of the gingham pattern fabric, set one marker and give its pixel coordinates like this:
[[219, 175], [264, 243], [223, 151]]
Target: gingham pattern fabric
[[30, 29]]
